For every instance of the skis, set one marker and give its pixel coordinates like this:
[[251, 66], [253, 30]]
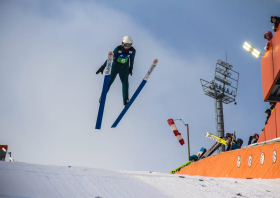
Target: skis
[[180, 167], [216, 138], [200, 153], [211, 150], [104, 90], [136, 93]]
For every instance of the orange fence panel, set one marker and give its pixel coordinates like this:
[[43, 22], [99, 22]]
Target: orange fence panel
[[267, 73], [277, 109], [262, 137], [240, 163], [276, 53], [270, 65], [270, 127]]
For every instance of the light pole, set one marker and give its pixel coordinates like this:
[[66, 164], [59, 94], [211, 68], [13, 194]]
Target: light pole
[[188, 137], [224, 90]]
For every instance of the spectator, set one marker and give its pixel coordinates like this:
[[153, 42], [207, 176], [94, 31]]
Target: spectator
[[268, 36], [239, 142], [272, 105], [255, 139], [268, 113], [235, 146], [232, 144], [193, 158], [275, 20]]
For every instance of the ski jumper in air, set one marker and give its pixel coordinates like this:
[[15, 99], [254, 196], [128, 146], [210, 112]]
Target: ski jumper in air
[[123, 65]]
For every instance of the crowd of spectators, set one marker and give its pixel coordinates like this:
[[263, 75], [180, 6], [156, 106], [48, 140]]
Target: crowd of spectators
[[232, 142], [268, 35]]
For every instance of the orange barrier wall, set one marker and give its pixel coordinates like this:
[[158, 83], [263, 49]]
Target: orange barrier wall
[[272, 128], [270, 65], [277, 120], [276, 53], [225, 164], [267, 73], [262, 136]]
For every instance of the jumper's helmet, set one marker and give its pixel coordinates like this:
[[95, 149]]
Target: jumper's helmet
[[193, 157], [240, 141], [127, 41]]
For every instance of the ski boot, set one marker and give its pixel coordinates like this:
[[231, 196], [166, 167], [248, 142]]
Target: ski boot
[[127, 101]]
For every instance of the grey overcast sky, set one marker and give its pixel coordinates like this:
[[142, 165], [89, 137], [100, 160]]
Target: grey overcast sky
[[50, 51]]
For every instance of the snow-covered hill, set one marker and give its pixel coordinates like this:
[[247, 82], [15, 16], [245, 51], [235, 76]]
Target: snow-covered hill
[[22, 180]]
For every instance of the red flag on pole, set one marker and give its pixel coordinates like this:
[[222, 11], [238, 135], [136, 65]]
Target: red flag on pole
[[175, 131]]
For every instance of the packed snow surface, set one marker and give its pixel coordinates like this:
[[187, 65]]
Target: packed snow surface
[[22, 180]]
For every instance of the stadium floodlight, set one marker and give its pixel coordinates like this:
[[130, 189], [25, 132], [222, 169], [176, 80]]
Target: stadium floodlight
[[4, 150], [226, 65], [222, 63], [223, 80], [256, 53], [228, 82], [247, 46]]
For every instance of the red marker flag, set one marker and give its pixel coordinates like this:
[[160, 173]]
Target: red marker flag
[[175, 131]]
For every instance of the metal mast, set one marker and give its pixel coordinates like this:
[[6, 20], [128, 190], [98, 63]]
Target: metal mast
[[220, 119], [224, 90]]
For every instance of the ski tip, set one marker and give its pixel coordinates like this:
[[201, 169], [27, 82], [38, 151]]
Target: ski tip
[[155, 61], [110, 53], [206, 134]]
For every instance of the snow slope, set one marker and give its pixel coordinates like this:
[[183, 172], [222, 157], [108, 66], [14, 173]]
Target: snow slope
[[22, 180]]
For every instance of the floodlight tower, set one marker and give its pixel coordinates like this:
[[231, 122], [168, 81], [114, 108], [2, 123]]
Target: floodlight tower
[[223, 89]]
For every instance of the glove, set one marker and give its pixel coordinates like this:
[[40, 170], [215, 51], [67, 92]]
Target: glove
[[130, 71], [100, 70], [251, 137]]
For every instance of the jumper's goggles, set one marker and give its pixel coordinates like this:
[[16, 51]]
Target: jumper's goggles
[[127, 45]]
